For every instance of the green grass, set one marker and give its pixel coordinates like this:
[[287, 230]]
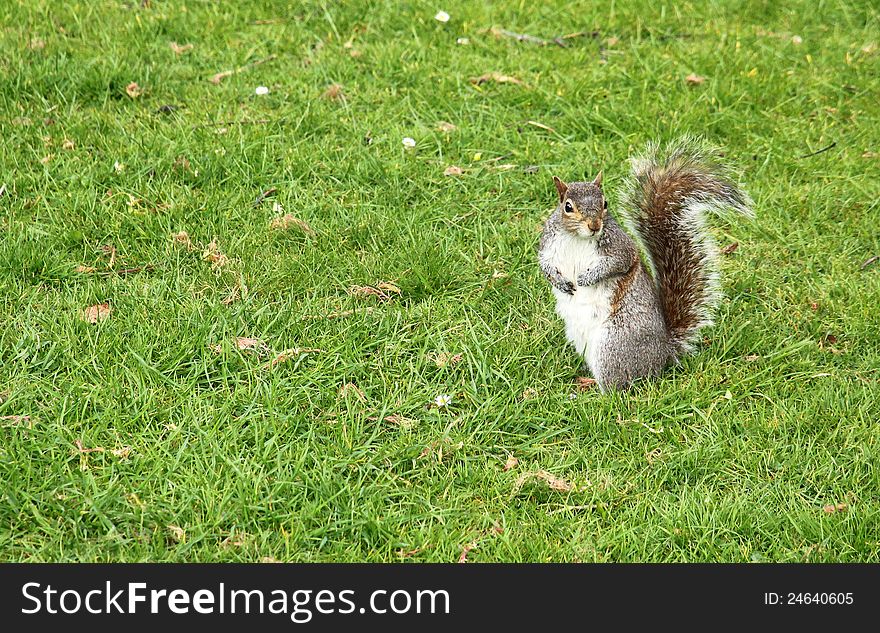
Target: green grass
[[731, 456]]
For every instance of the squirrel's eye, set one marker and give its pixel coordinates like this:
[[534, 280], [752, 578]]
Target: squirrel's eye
[[605, 204], [568, 207]]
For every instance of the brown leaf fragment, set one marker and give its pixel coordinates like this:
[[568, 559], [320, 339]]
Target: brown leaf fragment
[[511, 463], [869, 154], [180, 49], [835, 507], [401, 421], [694, 80], [85, 269], [552, 481], [495, 77], [529, 393], [453, 170], [286, 221], [466, 550], [443, 359], [67, 144], [751, 358], [133, 90], [234, 540], [94, 314], [333, 92], [438, 446], [15, 420], [446, 126], [293, 352], [382, 291], [177, 533], [181, 164], [82, 449], [246, 343], [235, 294], [110, 251], [406, 553], [212, 254], [353, 389], [654, 455], [583, 383], [730, 248], [814, 306], [216, 79], [388, 286], [121, 453], [269, 559], [182, 237]]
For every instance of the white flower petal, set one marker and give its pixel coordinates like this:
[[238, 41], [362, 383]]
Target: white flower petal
[[262, 90], [442, 16], [443, 400], [409, 142]]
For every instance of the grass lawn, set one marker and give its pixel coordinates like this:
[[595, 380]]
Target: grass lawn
[[260, 379]]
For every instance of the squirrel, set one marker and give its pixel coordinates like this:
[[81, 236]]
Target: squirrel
[[629, 319]]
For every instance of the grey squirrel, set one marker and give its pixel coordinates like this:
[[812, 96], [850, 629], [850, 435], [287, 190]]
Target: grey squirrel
[[628, 319]]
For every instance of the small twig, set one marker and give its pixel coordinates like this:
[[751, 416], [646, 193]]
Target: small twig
[[258, 62], [541, 125], [216, 79], [224, 123], [869, 261], [263, 196], [525, 37], [819, 151], [560, 40]]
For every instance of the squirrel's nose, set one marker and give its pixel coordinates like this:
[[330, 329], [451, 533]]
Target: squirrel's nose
[[595, 224]]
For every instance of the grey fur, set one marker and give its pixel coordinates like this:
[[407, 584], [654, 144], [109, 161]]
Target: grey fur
[[557, 280], [620, 326]]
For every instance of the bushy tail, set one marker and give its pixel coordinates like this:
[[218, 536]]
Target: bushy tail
[[671, 191]]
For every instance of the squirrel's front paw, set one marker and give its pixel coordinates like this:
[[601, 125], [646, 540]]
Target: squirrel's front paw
[[567, 287], [586, 278]]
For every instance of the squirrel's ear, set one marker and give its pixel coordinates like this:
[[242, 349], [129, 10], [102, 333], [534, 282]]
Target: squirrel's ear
[[598, 180], [561, 188]]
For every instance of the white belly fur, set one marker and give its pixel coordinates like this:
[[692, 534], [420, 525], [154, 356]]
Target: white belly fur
[[586, 311]]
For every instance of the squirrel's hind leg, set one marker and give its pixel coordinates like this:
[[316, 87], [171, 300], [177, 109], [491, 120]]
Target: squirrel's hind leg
[[625, 359]]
